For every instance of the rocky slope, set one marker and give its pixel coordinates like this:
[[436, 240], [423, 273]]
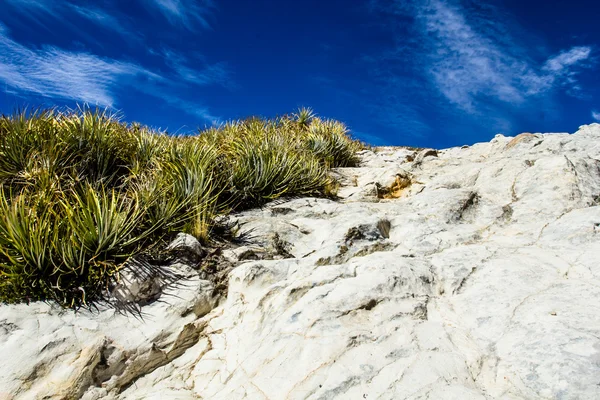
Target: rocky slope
[[466, 273]]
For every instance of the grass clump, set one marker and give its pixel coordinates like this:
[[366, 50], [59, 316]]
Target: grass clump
[[82, 194]]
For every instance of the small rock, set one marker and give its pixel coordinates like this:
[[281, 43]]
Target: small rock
[[243, 253], [137, 285], [188, 247], [425, 153]]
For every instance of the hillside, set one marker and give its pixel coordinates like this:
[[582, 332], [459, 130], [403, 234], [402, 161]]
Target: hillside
[[464, 273]]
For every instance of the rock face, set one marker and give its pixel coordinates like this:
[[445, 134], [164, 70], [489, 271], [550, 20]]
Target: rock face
[[466, 273]]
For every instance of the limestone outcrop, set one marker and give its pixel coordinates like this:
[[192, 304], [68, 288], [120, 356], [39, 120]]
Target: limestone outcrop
[[464, 273]]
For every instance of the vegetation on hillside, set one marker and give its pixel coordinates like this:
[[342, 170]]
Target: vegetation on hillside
[[81, 193]]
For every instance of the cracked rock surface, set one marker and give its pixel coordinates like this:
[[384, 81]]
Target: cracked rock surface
[[465, 273]]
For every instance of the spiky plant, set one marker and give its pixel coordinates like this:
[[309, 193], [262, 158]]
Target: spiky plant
[[304, 116], [328, 140], [82, 194], [103, 145], [266, 168]]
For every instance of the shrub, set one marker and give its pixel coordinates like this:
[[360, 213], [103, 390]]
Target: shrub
[[266, 168], [82, 194], [328, 140]]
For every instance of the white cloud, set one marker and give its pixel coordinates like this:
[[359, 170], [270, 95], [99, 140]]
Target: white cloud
[[565, 59], [469, 55], [195, 109], [463, 63], [71, 16], [103, 19], [40, 5], [211, 74], [83, 77], [596, 115], [34, 10], [52, 72], [203, 75], [468, 62], [188, 13]]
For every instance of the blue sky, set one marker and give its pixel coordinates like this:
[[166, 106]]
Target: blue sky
[[433, 73]]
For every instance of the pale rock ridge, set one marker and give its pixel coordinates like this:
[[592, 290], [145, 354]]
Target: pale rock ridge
[[465, 273]]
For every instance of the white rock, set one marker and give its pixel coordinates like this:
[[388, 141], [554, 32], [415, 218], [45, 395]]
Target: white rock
[[486, 285], [58, 354], [187, 245]]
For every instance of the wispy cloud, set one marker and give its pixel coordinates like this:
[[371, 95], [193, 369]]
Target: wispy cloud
[[34, 6], [211, 74], [561, 62], [203, 74], [103, 19], [466, 61], [596, 115], [52, 72], [195, 109], [72, 16], [189, 13], [467, 64], [84, 77]]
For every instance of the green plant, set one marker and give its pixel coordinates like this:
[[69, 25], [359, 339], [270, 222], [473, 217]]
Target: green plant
[[329, 142], [82, 194], [267, 168], [304, 116]]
